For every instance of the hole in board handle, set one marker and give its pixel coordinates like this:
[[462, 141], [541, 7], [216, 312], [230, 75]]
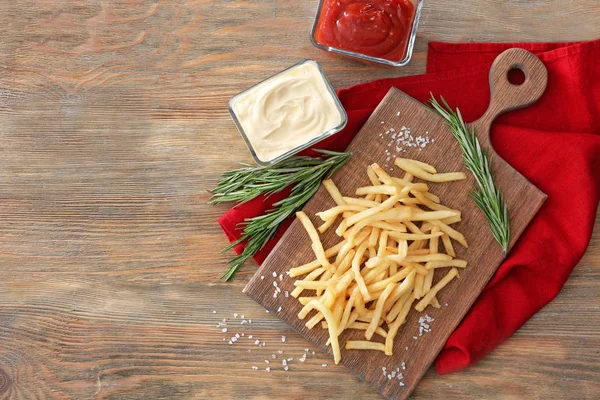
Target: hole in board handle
[[516, 76]]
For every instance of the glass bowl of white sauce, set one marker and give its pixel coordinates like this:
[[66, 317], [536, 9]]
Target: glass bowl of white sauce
[[287, 113]]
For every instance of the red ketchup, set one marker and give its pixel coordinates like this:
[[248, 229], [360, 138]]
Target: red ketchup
[[376, 28]]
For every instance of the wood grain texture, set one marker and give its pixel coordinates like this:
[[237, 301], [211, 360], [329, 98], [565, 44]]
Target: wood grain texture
[[113, 125], [375, 143]]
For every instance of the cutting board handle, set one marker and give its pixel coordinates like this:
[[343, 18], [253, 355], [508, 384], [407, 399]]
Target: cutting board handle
[[506, 96]]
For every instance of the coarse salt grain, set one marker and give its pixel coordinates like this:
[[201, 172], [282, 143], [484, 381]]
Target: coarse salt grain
[[283, 362], [280, 277], [254, 367], [267, 361], [268, 369], [401, 383], [274, 274], [323, 365], [214, 311], [273, 356], [250, 337], [237, 335], [257, 342], [224, 330], [280, 351], [287, 294], [286, 368], [262, 277], [283, 337], [235, 315], [279, 309]]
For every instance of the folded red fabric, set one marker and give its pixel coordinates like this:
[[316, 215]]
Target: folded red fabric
[[555, 143]]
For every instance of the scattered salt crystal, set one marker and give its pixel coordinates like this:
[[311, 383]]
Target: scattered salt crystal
[[283, 337], [274, 274], [286, 368], [267, 311], [249, 321], [406, 348], [275, 283], [230, 342], [389, 376], [403, 365], [254, 367], [313, 353], [290, 359], [382, 122], [268, 369], [242, 316], [280, 351], [398, 113], [393, 374], [250, 337], [235, 315], [257, 342], [279, 309], [414, 337], [303, 358], [280, 277], [237, 335], [214, 311], [283, 362], [286, 293], [306, 350], [401, 383], [263, 344], [267, 361], [224, 330], [323, 365], [233, 339], [262, 277], [273, 356]]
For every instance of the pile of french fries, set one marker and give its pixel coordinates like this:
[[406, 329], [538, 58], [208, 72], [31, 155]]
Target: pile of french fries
[[387, 259]]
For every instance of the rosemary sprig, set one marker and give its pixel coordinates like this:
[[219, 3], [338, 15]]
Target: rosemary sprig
[[487, 196], [244, 184]]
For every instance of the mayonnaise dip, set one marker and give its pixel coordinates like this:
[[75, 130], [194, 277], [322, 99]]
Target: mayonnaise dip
[[287, 111]]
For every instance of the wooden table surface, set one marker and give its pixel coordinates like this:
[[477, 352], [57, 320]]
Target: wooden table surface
[[113, 126]]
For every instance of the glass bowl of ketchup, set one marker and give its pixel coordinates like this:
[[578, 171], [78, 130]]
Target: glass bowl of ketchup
[[381, 31]]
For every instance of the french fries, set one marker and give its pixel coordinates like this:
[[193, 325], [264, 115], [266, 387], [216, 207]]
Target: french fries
[[395, 236]]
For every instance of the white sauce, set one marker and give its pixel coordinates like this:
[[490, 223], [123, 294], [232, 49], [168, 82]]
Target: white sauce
[[286, 111]]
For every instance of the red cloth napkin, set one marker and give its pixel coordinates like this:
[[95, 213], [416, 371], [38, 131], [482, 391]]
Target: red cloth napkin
[[555, 143]]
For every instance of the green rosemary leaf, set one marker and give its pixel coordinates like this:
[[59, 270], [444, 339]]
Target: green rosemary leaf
[[485, 195], [244, 184]]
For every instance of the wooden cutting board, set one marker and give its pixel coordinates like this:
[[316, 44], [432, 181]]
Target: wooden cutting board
[[484, 256]]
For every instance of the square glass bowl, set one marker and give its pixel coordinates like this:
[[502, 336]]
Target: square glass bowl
[[321, 82], [410, 36]]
